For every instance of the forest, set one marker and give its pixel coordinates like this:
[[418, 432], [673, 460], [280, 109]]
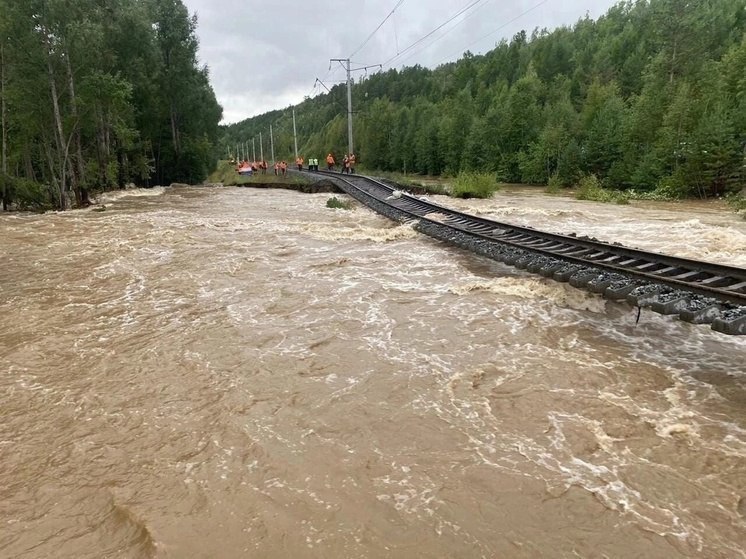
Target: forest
[[651, 97], [97, 94]]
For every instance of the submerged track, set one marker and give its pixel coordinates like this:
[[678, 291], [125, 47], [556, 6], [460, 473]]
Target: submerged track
[[699, 292]]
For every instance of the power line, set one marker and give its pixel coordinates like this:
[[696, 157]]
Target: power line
[[330, 96], [377, 28], [396, 37], [332, 70], [447, 31], [503, 26], [449, 20]]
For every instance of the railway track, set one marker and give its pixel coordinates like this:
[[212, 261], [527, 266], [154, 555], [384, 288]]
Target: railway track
[[698, 292]]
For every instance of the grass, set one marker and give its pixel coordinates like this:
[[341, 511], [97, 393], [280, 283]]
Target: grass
[[227, 175]]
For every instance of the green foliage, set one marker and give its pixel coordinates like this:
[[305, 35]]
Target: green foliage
[[649, 97], [474, 185], [668, 188], [126, 100], [738, 203], [589, 188], [30, 195], [554, 185], [225, 173], [336, 203]]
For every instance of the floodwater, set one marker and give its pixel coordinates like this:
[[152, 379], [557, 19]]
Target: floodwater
[[223, 373]]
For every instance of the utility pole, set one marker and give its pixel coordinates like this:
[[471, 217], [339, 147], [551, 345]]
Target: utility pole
[[261, 147], [253, 148], [272, 143], [346, 65], [295, 136]]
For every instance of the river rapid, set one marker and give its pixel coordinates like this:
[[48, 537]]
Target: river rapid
[[235, 372]]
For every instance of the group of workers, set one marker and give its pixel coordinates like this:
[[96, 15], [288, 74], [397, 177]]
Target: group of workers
[[248, 168], [347, 165]]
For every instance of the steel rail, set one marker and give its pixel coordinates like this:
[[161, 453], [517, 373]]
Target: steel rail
[[724, 284]]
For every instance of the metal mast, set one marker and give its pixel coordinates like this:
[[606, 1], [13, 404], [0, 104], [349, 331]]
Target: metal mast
[[346, 64], [272, 143], [295, 135]]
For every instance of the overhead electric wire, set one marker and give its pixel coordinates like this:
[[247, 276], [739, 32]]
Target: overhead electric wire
[[377, 28], [446, 32], [396, 37], [330, 91], [504, 25], [449, 20], [423, 38], [461, 51], [332, 70]]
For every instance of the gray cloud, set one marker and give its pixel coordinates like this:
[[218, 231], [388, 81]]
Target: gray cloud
[[268, 56]]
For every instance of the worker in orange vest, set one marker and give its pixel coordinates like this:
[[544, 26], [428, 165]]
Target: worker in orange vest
[[330, 162], [299, 162]]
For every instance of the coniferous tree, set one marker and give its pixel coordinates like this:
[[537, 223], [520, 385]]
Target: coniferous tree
[[627, 98]]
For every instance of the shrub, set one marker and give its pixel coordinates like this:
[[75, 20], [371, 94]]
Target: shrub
[[589, 188], [554, 185], [738, 203], [338, 204], [474, 185], [30, 195]]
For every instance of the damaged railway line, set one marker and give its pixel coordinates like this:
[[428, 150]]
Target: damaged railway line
[[698, 292]]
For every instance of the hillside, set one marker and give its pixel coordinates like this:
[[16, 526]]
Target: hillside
[[652, 95]]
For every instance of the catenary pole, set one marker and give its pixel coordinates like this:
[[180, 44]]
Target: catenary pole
[[349, 110], [261, 147], [345, 62], [347, 66], [295, 135], [253, 148], [272, 143]]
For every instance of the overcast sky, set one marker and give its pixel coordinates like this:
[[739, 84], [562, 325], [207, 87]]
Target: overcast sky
[[267, 55]]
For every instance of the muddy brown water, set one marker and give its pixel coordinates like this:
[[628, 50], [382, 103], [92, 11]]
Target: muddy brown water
[[203, 373]]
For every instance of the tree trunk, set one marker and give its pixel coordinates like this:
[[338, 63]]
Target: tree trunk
[[52, 170], [81, 195], [121, 166], [29, 171], [175, 130], [673, 60], [4, 157], [101, 145], [59, 134]]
